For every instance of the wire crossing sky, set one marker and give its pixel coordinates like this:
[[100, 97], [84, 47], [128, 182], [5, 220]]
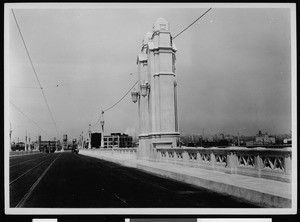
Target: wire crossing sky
[[137, 81], [233, 67], [191, 23], [30, 119], [35, 71]]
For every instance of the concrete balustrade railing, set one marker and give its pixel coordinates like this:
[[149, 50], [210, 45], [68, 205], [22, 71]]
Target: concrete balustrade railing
[[255, 162], [128, 153], [266, 163]]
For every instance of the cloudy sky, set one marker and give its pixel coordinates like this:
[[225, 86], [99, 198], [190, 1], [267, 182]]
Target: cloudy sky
[[233, 67]]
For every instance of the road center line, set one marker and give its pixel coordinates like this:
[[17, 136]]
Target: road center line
[[23, 200]]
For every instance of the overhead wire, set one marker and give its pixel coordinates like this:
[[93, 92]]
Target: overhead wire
[[43, 93], [172, 38], [192, 23], [121, 98], [17, 108], [96, 122], [133, 73], [62, 84], [44, 87], [103, 111]]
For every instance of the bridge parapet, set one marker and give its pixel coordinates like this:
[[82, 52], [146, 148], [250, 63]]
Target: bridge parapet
[[274, 164], [124, 152], [129, 153], [259, 162]]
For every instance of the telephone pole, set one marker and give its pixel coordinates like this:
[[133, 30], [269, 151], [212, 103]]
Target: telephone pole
[[102, 127], [89, 145], [26, 141], [10, 133]]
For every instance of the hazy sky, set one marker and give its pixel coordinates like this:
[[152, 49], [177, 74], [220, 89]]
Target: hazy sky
[[233, 68]]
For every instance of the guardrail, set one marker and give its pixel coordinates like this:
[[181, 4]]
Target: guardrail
[[129, 153], [256, 162], [259, 162]]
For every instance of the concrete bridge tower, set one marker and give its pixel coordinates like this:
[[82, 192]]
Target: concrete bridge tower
[[157, 95]]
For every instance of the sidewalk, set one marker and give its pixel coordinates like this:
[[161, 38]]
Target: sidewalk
[[264, 192]]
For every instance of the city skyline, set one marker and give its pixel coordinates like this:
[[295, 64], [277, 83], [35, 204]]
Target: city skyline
[[234, 68]]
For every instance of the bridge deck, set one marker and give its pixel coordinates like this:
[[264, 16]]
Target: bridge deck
[[265, 192]]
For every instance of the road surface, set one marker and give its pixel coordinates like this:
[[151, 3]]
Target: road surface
[[67, 180]]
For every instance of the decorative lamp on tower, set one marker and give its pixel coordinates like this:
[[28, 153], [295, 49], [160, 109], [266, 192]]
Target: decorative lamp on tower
[[134, 96], [144, 89]]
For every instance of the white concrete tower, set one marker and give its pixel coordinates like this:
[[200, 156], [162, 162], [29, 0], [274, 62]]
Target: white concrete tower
[[158, 108], [143, 100]]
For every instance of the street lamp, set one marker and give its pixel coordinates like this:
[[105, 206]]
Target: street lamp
[[144, 89], [134, 96]]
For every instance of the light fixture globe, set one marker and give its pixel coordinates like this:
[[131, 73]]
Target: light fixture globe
[[144, 89], [102, 122], [134, 96]]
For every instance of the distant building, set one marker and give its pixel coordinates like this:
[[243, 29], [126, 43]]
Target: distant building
[[18, 146], [262, 139], [65, 142], [117, 140], [96, 140], [48, 146], [287, 141]]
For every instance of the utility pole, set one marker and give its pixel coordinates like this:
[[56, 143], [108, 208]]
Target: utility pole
[[89, 145], [29, 141], [26, 141], [10, 133], [102, 127], [81, 139], [55, 143]]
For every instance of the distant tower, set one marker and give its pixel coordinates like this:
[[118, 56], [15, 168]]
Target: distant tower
[[157, 96]]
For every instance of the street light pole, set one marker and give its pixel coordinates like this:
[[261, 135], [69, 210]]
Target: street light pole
[[26, 141], [81, 139], [89, 145], [10, 132], [102, 127], [29, 147]]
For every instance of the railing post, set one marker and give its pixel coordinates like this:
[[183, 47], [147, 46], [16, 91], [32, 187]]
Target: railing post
[[198, 158], [185, 157], [232, 162], [259, 164], [213, 159], [288, 164]]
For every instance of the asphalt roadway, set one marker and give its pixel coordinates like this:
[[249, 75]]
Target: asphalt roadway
[[67, 180]]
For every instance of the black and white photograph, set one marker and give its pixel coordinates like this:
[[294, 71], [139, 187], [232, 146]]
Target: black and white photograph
[[150, 108]]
